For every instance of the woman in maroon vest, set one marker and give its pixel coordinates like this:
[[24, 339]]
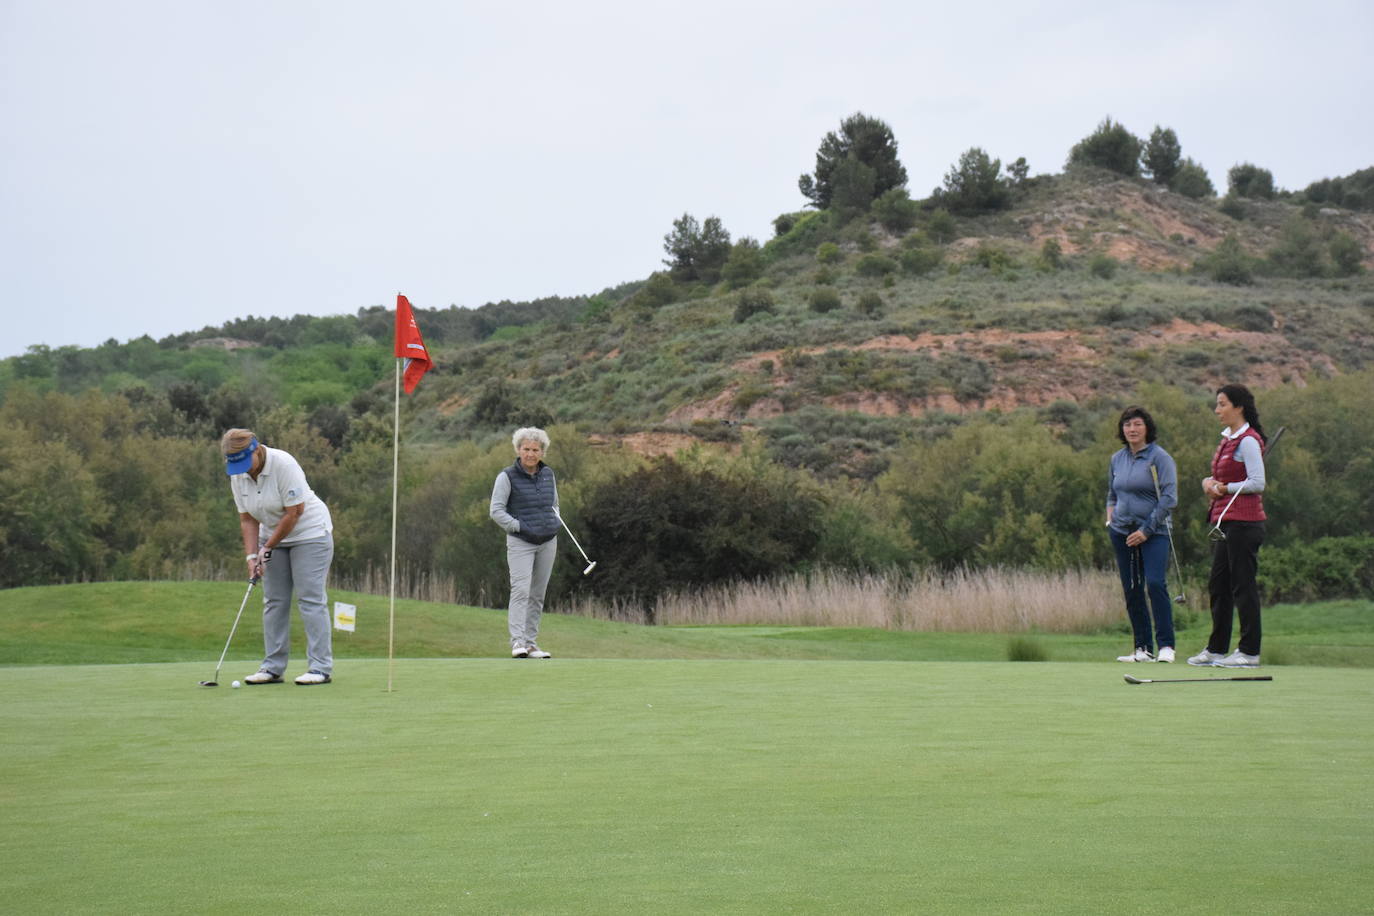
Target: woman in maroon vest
[[1237, 519]]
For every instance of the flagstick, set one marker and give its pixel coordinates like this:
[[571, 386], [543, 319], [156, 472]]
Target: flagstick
[[395, 469]]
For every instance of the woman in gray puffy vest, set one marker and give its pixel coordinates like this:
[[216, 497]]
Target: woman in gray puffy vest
[[524, 502]]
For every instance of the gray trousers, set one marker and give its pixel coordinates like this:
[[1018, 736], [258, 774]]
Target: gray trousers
[[530, 568], [301, 567]]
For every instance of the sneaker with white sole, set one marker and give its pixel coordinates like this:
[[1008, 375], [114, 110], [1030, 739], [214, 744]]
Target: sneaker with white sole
[[1239, 659], [1206, 658], [519, 652], [311, 678], [1139, 655], [262, 677], [536, 652], [1166, 654]]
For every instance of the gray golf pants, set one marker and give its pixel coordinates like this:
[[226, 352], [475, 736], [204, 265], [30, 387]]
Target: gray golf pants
[[530, 567], [301, 567]]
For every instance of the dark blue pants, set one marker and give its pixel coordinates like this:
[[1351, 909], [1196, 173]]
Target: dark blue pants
[[1143, 572], [1232, 587]]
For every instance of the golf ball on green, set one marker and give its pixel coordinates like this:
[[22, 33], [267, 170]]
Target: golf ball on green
[[236, 684]]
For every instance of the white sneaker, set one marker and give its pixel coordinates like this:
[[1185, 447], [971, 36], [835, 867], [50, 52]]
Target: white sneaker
[[1166, 654], [262, 677], [536, 652], [519, 652], [1239, 659], [1206, 658], [311, 678], [1139, 655]]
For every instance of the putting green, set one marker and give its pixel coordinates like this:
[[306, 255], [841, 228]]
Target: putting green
[[574, 786]]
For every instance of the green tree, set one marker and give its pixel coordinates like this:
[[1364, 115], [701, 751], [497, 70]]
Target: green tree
[[941, 227], [1162, 155], [867, 141], [1228, 263], [744, 265], [974, 185], [1110, 147], [1247, 180], [1191, 181], [696, 251], [1019, 171]]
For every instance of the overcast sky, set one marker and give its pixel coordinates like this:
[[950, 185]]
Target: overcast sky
[[165, 166]]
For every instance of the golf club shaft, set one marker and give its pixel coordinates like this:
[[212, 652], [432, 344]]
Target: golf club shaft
[[234, 628], [574, 539], [1169, 533], [1193, 680]]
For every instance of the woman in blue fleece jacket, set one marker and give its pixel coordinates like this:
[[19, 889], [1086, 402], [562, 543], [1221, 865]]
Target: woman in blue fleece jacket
[[1138, 510]]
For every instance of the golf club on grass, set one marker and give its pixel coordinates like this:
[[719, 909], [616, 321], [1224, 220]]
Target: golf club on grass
[[214, 682], [591, 564], [1192, 680], [1216, 534], [1181, 597]]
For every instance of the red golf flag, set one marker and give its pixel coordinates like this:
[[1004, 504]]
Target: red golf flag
[[410, 346]]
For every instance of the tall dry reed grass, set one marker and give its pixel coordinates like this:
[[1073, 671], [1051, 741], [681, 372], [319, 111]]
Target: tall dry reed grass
[[988, 600]]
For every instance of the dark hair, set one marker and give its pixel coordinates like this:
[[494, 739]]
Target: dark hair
[[1131, 413], [1241, 397]]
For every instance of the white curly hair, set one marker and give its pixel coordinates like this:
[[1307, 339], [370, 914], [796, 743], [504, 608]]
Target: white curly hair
[[526, 433]]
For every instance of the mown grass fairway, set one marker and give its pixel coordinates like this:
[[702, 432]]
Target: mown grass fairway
[[595, 786]]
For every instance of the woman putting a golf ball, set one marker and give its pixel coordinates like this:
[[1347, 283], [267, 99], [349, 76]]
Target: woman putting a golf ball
[[288, 540]]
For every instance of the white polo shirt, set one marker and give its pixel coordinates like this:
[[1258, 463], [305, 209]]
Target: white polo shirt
[[280, 484]]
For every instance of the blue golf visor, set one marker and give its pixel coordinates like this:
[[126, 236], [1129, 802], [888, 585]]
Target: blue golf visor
[[240, 462]]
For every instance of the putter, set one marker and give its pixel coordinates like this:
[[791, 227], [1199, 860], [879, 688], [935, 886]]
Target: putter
[[214, 682], [1216, 534], [1181, 597], [1192, 680], [591, 564]]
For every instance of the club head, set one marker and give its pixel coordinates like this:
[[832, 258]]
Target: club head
[[1180, 599], [590, 567], [209, 683], [1135, 680]]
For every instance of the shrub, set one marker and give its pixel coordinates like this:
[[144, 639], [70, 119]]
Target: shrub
[[941, 227], [1346, 255], [1103, 265], [1228, 263], [870, 304], [920, 261], [1110, 147], [752, 301], [828, 253], [1191, 181], [1246, 180], [895, 210], [1327, 568], [823, 299], [875, 265], [974, 184], [674, 526], [1299, 252], [784, 224], [744, 265], [1051, 255], [992, 257], [1232, 206]]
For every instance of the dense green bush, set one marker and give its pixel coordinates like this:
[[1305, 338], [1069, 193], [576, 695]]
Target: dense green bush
[[829, 253], [1327, 568], [874, 265], [974, 185], [1103, 266], [940, 227], [920, 261], [1191, 181], [752, 301], [895, 210], [744, 265], [870, 304], [1299, 252], [684, 525], [1354, 191], [823, 299], [1111, 146], [1247, 180], [1346, 254], [1228, 263]]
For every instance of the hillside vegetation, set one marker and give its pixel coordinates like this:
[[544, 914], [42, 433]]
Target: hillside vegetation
[[886, 384]]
